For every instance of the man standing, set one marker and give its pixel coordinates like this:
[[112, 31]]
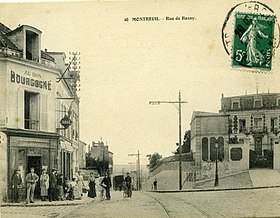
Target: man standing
[[52, 185], [128, 181], [16, 184], [106, 183], [155, 184], [31, 179]]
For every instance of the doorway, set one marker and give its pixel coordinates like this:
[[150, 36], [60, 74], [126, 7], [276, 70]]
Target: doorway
[[259, 157], [36, 162]]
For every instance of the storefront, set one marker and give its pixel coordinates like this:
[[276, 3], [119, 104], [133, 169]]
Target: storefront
[[26, 149]]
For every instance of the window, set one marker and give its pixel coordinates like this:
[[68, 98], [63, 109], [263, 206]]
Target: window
[[213, 149], [235, 105], [213, 152], [32, 46], [257, 122], [31, 110], [242, 125], [205, 148], [273, 123], [221, 148], [258, 103]]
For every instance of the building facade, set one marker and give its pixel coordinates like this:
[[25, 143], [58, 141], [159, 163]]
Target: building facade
[[30, 134], [243, 135], [100, 151]]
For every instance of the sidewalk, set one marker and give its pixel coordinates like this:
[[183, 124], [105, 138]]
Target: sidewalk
[[39, 203]]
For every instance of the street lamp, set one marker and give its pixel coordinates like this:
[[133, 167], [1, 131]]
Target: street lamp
[[216, 174], [180, 137], [138, 169]]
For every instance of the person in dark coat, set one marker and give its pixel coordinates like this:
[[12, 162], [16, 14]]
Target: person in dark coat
[[155, 184], [128, 182], [16, 184], [52, 185], [106, 183], [91, 184]]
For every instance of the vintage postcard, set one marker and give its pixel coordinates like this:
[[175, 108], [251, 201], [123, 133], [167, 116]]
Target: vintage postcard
[[140, 108]]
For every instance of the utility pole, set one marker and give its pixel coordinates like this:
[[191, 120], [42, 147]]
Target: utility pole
[[138, 169], [179, 102]]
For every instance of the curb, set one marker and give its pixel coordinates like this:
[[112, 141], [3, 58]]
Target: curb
[[77, 202], [215, 189]]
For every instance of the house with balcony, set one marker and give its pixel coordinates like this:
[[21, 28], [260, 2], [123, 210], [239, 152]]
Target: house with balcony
[[243, 135]]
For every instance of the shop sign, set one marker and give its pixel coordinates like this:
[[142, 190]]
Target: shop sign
[[66, 122], [28, 81]]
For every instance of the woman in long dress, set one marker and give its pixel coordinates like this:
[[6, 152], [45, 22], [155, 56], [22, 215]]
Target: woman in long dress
[[44, 184], [91, 184], [80, 183]]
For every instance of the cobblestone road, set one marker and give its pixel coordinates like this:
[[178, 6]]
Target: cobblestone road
[[238, 203]]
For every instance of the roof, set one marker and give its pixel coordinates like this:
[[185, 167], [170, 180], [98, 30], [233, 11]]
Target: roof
[[4, 29], [33, 29], [206, 114], [253, 95], [46, 56], [5, 42]]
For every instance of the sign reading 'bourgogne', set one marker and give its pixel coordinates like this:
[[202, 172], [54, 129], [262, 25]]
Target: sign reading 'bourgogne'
[[17, 78]]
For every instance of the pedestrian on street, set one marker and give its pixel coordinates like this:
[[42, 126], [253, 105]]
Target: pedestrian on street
[[155, 184], [16, 185], [100, 188], [128, 181], [59, 187], [80, 182], [44, 184], [53, 183], [106, 183], [31, 179], [91, 184]]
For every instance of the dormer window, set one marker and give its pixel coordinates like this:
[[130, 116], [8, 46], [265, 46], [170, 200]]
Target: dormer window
[[258, 103], [235, 105], [278, 102], [32, 46]]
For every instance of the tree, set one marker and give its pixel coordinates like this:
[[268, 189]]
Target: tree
[[154, 159], [101, 165], [186, 147]]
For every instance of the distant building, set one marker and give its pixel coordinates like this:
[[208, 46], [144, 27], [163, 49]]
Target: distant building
[[245, 131], [100, 151]]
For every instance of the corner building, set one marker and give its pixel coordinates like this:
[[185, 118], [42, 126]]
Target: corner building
[[243, 135], [28, 116]]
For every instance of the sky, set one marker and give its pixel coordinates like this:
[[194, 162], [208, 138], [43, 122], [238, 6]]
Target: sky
[[126, 64]]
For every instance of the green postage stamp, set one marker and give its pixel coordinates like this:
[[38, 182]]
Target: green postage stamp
[[250, 36], [253, 41]]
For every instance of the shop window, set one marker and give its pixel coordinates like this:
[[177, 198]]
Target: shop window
[[236, 154], [242, 125], [31, 110], [205, 148]]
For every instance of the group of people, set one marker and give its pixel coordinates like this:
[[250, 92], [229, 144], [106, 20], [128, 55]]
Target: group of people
[[53, 187]]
